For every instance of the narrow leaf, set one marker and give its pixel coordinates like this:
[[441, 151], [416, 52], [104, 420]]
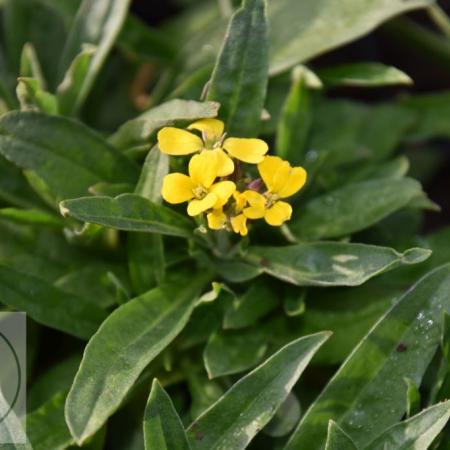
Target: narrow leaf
[[412, 398], [239, 79], [236, 418], [337, 439], [367, 394], [33, 98], [331, 263], [30, 66], [48, 305], [129, 212], [418, 432], [129, 339], [162, 425]]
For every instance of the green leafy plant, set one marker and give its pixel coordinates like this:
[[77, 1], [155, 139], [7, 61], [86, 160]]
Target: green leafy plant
[[323, 326]]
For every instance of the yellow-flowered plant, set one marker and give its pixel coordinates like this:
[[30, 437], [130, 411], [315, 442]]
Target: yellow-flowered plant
[[218, 184]]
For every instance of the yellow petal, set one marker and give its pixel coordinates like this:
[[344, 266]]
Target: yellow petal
[[277, 214], [240, 200], [203, 169], [174, 141], [274, 171], [257, 208], [248, 150], [224, 190], [212, 129], [177, 188], [293, 183], [196, 207], [225, 163], [239, 224], [216, 219]]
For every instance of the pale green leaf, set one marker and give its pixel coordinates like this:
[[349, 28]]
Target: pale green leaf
[[337, 439]]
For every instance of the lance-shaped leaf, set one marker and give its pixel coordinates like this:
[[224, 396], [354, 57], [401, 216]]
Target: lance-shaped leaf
[[353, 207], [337, 439], [331, 263], [129, 339], [56, 148], [129, 212], [417, 432], [49, 305], [367, 394], [239, 79], [363, 74], [162, 424], [33, 98], [98, 22], [233, 421]]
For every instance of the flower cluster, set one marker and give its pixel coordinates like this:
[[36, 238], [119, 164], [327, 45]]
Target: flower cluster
[[217, 183]]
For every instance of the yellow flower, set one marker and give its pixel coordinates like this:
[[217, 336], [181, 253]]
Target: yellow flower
[[282, 181], [175, 141], [239, 221], [198, 188], [217, 219]]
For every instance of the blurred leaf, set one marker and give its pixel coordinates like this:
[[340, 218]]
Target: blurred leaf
[[234, 351], [162, 425], [49, 305], [246, 309], [204, 392], [412, 398], [363, 74], [417, 432], [239, 79], [337, 439], [129, 212], [285, 419], [294, 124], [70, 89], [294, 302], [33, 98], [236, 418], [111, 189], [331, 263], [31, 216], [353, 207], [302, 30], [367, 394], [129, 339], [56, 148], [30, 66], [97, 22]]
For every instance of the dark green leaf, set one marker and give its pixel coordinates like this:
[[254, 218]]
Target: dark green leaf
[[236, 418], [129, 212], [337, 439], [285, 419], [130, 338], [331, 263], [368, 392], [162, 425], [56, 148], [239, 79], [31, 216], [353, 207]]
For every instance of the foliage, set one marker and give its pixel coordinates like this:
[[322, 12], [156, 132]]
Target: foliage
[[323, 326]]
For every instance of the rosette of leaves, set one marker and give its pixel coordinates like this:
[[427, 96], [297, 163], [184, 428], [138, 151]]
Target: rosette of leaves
[[149, 330]]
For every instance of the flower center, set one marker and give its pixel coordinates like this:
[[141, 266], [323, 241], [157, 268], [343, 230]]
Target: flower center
[[271, 198], [199, 192]]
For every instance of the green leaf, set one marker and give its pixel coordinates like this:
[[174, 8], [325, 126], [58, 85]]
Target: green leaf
[[248, 308], [236, 418], [337, 439], [239, 79], [234, 352], [412, 398], [129, 212], [98, 23], [353, 207], [71, 87], [417, 432], [129, 339], [140, 130], [162, 425], [49, 305], [331, 263], [30, 66], [363, 74], [33, 98], [204, 392], [295, 121], [367, 394], [31, 216], [285, 419], [294, 303], [46, 427], [301, 30], [56, 148]]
